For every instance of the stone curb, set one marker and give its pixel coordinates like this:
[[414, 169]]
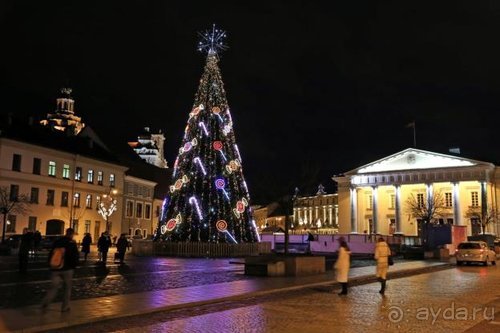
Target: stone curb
[[361, 280]]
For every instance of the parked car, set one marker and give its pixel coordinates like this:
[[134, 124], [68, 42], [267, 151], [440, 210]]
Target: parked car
[[475, 251], [48, 241], [13, 241]]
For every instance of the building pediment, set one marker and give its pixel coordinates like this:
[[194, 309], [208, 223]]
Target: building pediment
[[416, 159]]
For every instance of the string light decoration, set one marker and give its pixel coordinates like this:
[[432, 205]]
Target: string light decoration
[[208, 185]]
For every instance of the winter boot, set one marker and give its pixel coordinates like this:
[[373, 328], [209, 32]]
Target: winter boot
[[344, 289], [382, 286]]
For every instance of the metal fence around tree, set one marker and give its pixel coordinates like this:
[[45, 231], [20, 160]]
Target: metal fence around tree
[[212, 250]]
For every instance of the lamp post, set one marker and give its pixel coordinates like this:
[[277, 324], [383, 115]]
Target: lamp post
[[287, 217], [107, 206]]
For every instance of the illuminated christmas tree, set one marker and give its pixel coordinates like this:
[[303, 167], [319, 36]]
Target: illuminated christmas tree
[[208, 199]]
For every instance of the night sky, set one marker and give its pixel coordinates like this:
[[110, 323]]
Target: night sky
[[315, 88]]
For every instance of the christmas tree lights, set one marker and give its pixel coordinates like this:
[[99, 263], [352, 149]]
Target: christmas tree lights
[[208, 199]]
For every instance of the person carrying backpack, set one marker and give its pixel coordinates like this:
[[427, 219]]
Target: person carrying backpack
[[63, 260]]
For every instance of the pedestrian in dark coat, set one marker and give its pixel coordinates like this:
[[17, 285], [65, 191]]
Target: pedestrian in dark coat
[[37, 239], [86, 241], [121, 247], [103, 244], [25, 247]]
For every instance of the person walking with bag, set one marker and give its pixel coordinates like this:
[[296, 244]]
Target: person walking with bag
[[86, 241], [382, 254], [342, 265], [63, 260]]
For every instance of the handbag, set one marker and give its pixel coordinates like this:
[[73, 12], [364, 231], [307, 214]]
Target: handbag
[[390, 261]]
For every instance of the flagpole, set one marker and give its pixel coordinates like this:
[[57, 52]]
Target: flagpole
[[414, 135]]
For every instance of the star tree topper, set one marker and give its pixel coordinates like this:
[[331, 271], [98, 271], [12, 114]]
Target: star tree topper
[[212, 41]]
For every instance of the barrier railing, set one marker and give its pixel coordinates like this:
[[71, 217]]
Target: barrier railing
[[212, 250]]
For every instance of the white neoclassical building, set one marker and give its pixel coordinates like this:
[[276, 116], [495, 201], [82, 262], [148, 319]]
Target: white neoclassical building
[[374, 198]]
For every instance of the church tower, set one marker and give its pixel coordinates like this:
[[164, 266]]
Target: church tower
[[64, 118]]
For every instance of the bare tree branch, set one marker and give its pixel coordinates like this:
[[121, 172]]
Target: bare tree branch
[[429, 209], [19, 206], [484, 216]]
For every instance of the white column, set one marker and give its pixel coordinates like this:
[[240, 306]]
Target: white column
[[324, 215], [457, 218], [354, 210], [430, 193], [295, 220], [310, 215], [330, 215], [316, 214], [375, 209], [399, 218], [484, 203]]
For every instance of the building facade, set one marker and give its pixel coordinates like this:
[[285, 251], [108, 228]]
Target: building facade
[[65, 189], [381, 197], [150, 147], [139, 217], [316, 212]]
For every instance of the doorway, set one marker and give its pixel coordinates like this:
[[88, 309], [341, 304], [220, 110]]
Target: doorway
[[54, 227]]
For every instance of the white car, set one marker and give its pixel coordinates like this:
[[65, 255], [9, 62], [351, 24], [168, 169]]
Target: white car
[[474, 251]]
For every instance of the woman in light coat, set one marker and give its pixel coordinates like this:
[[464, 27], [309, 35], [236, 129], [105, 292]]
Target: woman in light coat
[[342, 265], [382, 253]]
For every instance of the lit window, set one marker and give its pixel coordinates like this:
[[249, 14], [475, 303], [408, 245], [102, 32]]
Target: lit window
[[99, 177], [90, 177], [65, 172], [393, 201], [369, 202], [448, 199], [474, 196], [112, 180], [88, 201], [52, 168], [78, 174], [76, 200], [420, 200]]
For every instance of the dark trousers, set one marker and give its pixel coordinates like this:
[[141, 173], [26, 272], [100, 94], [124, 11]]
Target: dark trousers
[[23, 261], [58, 277], [104, 256]]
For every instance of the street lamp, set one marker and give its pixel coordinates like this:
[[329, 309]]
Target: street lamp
[[107, 206], [289, 211]]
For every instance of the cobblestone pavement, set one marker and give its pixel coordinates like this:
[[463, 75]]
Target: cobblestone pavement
[[454, 300], [93, 280], [139, 275]]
